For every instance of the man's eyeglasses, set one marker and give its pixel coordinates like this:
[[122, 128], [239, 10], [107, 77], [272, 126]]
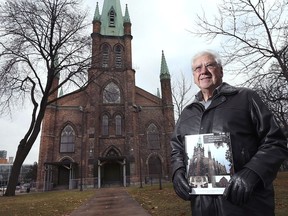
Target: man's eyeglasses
[[208, 66]]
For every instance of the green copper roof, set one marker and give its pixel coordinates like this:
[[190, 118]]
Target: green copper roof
[[164, 68], [158, 93], [112, 19], [126, 17], [97, 16], [61, 93]]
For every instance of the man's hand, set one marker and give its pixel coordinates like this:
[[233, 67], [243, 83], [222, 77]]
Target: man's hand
[[241, 186], [180, 184]]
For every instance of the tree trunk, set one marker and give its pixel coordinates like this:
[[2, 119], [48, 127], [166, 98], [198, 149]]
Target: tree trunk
[[16, 168]]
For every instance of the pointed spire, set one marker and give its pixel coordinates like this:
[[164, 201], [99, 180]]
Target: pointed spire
[[97, 15], [61, 92], [164, 74], [158, 93], [127, 17], [199, 143]]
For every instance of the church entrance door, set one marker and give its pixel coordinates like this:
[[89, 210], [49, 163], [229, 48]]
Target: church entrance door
[[112, 174], [63, 178]]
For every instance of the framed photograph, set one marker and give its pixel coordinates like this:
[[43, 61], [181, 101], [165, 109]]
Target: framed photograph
[[209, 162]]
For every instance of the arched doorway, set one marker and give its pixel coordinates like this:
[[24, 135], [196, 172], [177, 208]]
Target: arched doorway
[[59, 174], [111, 174], [63, 176], [112, 169], [154, 166]]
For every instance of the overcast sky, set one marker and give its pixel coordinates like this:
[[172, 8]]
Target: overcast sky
[[156, 25]]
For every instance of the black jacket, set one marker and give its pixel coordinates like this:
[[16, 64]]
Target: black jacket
[[257, 143]]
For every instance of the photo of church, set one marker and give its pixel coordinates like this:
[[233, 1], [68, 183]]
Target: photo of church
[[210, 163], [113, 132]]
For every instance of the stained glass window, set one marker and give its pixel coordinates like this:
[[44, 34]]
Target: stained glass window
[[118, 123], [118, 56], [105, 56], [67, 139], [105, 125], [153, 137], [111, 93]]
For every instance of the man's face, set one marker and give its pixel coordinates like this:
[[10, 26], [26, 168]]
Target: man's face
[[207, 73]]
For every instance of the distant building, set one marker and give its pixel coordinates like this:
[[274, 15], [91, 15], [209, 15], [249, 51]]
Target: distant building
[[3, 157], [3, 154], [10, 160], [5, 171], [114, 132]]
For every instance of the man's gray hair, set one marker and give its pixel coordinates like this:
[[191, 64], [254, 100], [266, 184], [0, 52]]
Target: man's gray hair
[[208, 52]]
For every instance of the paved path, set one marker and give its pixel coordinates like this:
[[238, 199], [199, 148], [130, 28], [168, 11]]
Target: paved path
[[111, 202]]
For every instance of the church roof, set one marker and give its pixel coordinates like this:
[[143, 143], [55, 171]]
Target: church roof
[[111, 18]]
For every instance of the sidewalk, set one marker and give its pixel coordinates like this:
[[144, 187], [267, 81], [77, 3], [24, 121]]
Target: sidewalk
[[111, 202]]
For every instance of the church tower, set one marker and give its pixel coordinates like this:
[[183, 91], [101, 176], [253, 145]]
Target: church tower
[[112, 93], [112, 133]]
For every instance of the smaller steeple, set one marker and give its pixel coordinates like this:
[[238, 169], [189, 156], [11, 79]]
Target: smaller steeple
[[97, 15], [164, 74], [126, 16], [61, 93], [158, 93]]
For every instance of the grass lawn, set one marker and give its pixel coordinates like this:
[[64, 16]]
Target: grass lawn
[[54, 203], [158, 202], [166, 203]]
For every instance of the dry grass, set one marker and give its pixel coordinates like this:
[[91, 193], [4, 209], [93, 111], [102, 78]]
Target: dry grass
[[161, 202], [55, 203], [166, 203], [158, 202], [281, 194]]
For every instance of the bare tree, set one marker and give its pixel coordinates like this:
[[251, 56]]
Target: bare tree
[[254, 33], [274, 92], [181, 93], [41, 41]]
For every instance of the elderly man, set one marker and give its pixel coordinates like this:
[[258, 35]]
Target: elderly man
[[258, 144]]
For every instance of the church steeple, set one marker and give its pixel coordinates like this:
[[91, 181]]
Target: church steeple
[[164, 74], [165, 82], [97, 15], [111, 18], [108, 26], [126, 16]]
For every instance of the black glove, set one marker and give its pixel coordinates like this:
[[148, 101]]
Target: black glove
[[241, 186], [181, 185]]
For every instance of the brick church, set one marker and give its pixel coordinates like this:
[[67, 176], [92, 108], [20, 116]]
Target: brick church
[[113, 132]]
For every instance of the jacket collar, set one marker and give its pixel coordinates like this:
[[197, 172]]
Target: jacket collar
[[223, 89]]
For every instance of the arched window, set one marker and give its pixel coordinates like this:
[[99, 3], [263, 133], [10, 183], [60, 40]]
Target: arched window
[[67, 139], [105, 125], [111, 93], [155, 165], [105, 56], [118, 124], [118, 56], [153, 137]]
